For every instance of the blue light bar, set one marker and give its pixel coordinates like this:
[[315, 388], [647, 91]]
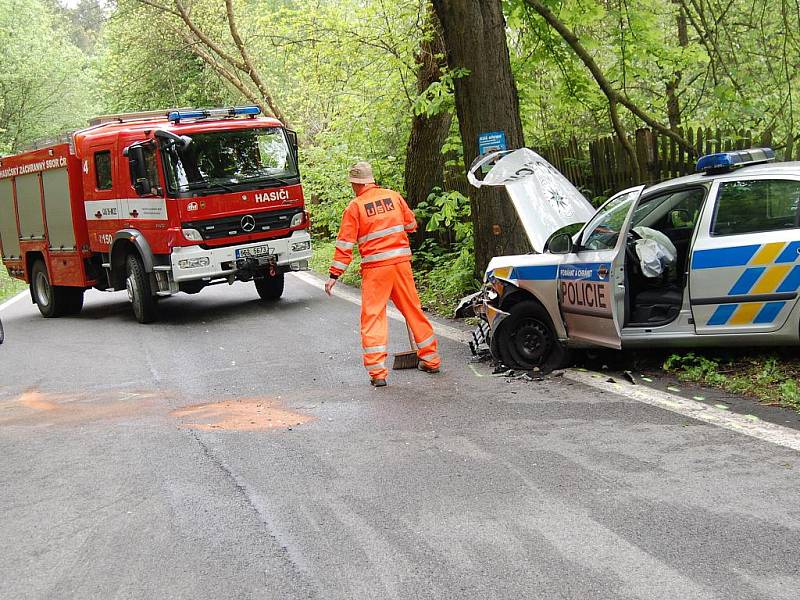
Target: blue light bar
[[727, 161], [177, 115]]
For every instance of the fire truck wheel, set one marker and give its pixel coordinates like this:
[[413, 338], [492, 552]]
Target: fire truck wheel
[[140, 293], [527, 339], [270, 288], [47, 297], [72, 300]]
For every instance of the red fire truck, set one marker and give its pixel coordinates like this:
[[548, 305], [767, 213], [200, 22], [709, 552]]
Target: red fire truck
[[155, 203]]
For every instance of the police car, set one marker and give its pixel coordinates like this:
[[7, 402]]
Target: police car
[[711, 259]]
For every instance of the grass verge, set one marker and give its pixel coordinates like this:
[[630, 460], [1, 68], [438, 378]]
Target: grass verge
[[770, 376], [8, 285]]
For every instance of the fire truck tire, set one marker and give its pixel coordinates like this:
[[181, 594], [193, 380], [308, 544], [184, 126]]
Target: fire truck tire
[[140, 292], [72, 299], [527, 339], [49, 298], [270, 288]]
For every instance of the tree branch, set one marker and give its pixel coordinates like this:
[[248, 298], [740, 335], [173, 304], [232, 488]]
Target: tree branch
[[611, 94]]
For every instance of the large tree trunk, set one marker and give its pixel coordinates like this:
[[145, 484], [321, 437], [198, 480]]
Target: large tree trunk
[[486, 100], [424, 158]]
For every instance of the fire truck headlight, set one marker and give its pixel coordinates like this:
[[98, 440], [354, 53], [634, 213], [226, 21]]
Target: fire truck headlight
[[300, 246], [194, 263], [297, 220], [192, 235]]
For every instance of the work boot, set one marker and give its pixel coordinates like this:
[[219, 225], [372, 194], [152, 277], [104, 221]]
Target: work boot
[[376, 382], [426, 368]]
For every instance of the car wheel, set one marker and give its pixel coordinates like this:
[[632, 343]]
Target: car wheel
[[270, 287], [527, 339], [140, 292]]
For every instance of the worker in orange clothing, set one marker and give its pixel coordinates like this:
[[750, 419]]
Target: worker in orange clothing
[[379, 221]]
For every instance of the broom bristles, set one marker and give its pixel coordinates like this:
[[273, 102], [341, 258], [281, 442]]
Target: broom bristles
[[405, 360]]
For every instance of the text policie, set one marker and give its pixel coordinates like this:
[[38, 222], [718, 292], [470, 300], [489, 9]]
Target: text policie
[[590, 294]]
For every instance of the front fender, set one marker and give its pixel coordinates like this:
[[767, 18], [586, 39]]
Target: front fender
[[137, 239]]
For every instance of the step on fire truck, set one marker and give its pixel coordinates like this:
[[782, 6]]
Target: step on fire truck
[[155, 203]]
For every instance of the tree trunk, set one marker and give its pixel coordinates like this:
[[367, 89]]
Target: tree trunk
[[486, 100], [673, 104], [424, 158]]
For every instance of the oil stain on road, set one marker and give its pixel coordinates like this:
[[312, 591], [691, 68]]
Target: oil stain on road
[[246, 414]]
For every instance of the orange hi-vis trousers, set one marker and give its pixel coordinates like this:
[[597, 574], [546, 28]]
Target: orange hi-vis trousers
[[378, 286]]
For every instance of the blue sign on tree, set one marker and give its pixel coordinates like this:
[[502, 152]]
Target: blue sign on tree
[[491, 141]]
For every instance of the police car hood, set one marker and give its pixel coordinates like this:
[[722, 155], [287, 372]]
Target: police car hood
[[543, 198]]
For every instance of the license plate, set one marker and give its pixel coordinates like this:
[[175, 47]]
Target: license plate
[[254, 252]]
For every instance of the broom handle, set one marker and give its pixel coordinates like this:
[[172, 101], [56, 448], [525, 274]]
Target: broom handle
[[411, 337]]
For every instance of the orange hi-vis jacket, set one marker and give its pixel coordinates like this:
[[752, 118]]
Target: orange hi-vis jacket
[[379, 221]]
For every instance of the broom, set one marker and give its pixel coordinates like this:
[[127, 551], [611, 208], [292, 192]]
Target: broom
[[407, 360]]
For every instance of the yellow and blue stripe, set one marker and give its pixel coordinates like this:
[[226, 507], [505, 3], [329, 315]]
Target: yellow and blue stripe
[[770, 271]]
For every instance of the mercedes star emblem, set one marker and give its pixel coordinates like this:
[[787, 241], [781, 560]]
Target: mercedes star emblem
[[248, 223]]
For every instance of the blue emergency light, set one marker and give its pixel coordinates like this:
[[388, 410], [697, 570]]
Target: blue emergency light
[[204, 113], [727, 161]]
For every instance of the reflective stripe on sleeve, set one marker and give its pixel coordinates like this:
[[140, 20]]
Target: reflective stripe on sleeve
[[426, 343], [336, 264], [410, 226], [344, 245], [385, 255], [373, 349], [379, 234]]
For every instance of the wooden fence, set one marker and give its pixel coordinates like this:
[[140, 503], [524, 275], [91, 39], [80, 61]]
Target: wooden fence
[[604, 167]]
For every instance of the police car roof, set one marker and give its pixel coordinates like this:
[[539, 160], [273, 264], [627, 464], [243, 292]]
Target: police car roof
[[773, 168]]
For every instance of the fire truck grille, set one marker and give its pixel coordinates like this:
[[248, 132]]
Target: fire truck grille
[[215, 229]]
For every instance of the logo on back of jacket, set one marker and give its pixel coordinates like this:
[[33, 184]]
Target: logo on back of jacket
[[379, 207]]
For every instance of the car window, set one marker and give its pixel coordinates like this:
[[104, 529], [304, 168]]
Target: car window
[[603, 230], [672, 210], [756, 205], [102, 170]]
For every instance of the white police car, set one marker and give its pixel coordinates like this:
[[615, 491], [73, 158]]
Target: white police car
[[712, 259]]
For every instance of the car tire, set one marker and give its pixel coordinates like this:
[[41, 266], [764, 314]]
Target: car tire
[[140, 292], [270, 287], [527, 339]]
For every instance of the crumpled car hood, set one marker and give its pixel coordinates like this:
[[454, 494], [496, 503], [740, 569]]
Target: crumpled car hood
[[544, 199]]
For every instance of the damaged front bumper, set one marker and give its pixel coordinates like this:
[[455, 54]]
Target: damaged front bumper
[[484, 307]]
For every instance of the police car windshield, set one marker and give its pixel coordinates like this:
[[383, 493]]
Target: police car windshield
[[603, 230], [230, 159]]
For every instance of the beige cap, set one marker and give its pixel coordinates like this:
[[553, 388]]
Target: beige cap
[[361, 172]]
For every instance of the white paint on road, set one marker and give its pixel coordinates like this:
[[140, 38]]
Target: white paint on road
[[768, 432], [13, 300], [761, 430]]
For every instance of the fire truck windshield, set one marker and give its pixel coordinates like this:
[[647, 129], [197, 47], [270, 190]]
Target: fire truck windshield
[[230, 160]]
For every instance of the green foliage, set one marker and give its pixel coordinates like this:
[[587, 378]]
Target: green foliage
[[8, 285], [323, 257], [768, 377], [46, 83]]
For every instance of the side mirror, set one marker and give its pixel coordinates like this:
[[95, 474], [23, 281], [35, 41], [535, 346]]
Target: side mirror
[[679, 218], [560, 243], [141, 183], [143, 186], [292, 137]]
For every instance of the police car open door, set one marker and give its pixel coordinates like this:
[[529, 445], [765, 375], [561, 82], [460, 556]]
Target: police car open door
[[592, 278]]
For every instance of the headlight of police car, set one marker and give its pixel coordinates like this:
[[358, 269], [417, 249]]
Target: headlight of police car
[[297, 220], [300, 246], [192, 235], [194, 263]]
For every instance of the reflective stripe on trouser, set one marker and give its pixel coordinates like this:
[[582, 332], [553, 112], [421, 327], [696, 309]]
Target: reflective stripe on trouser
[[378, 286]]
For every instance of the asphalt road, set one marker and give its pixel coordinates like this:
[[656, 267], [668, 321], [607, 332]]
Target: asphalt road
[[235, 450]]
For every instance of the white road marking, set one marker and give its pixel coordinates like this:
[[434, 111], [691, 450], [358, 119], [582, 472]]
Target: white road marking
[[13, 300], [768, 432], [761, 430]]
